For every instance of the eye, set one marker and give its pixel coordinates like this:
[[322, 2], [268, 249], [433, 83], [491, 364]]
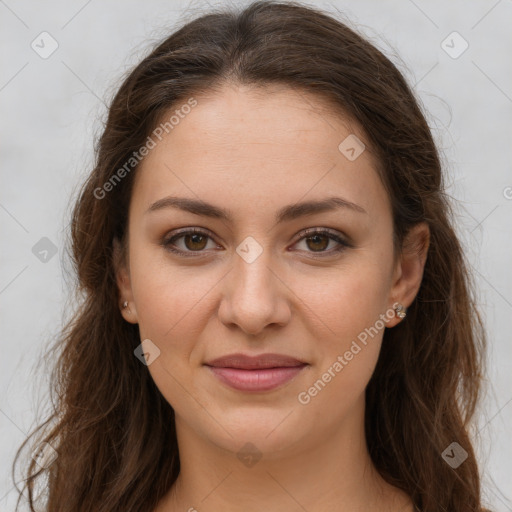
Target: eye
[[196, 240], [317, 240]]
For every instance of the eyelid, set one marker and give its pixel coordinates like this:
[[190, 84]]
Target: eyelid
[[183, 232], [322, 231], [334, 235]]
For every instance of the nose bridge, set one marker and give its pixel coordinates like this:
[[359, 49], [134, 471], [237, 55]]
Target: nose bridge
[[252, 268], [254, 297], [252, 274]]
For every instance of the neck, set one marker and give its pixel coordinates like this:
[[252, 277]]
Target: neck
[[316, 476]]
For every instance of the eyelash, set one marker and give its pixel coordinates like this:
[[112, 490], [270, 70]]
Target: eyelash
[[308, 233]]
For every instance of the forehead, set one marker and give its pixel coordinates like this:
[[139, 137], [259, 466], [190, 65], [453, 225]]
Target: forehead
[[268, 146]]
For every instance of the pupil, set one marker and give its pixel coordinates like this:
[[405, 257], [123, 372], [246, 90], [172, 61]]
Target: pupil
[[317, 237], [194, 239]]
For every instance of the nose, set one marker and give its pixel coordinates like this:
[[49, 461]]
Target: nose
[[255, 296]]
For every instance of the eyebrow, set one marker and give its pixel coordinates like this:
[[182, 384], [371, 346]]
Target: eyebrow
[[287, 213]]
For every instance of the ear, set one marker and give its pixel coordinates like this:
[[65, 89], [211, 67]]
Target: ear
[[122, 272], [409, 267]]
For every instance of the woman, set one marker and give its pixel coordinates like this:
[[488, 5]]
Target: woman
[[276, 310]]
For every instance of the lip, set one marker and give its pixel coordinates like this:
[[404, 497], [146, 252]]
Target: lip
[[255, 373]]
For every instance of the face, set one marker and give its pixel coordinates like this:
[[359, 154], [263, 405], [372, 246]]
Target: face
[[262, 274]]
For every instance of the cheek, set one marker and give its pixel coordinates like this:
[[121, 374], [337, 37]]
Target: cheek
[[167, 296], [347, 344], [174, 305], [347, 309], [346, 300], [172, 309]]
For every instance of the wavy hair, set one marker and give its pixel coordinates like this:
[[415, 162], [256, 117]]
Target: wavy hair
[[110, 426]]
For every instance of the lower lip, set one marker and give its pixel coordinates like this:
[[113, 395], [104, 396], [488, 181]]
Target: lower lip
[[256, 380]]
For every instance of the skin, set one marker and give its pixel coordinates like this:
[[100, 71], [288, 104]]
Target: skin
[[254, 151]]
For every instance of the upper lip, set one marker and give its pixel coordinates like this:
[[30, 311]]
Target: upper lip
[[246, 362]]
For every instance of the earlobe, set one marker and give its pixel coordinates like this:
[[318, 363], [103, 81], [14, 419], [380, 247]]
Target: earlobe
[[128, 311], [127, 304], [411, 265]]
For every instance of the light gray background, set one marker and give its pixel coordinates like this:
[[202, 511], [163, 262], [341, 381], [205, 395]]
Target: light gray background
[[52, 108]]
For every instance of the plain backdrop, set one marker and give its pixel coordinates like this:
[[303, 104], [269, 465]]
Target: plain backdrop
[[456, 55]]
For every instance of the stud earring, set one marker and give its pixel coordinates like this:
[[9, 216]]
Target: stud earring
[[400, 313], [125, 304]]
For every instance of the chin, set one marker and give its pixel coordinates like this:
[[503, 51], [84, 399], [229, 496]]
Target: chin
[[265, 430]]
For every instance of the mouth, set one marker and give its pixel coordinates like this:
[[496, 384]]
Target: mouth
[[255, 373]]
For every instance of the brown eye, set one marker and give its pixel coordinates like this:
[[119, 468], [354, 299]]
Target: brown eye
[[192, 241], [195, 242], [318, 242]]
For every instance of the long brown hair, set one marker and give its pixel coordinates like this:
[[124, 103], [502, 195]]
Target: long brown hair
[[111, 428]]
